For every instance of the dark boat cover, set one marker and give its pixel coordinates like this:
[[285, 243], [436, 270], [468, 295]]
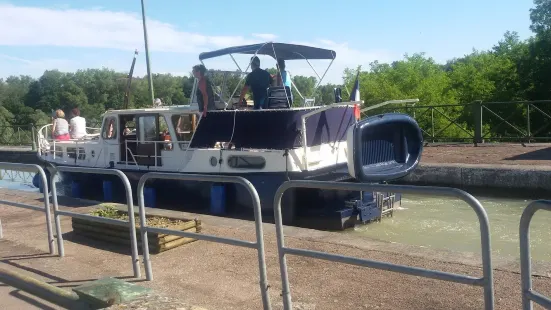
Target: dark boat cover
[[273, 129]]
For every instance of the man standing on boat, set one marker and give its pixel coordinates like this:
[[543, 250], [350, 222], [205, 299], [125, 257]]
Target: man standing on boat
[[258, 81], [205, 94]]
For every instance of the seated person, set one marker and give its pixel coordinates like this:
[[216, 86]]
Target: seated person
[[60, 127], [77, 126], [258, 80]]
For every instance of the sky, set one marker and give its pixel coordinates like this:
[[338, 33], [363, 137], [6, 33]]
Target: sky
[[39, 35]]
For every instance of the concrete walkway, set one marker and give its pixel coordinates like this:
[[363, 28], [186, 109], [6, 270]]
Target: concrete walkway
[[533, 154], [217, 276]]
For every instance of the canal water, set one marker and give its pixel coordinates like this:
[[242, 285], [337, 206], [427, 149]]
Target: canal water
[[431, 222], [453, 225]]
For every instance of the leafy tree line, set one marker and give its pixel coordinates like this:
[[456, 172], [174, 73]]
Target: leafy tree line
[[24, 100], [512, 70]]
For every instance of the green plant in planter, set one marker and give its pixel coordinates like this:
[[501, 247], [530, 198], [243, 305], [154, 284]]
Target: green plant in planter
[[107, 211]]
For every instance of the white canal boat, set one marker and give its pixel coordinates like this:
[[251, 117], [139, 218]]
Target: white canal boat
[[314, 141]]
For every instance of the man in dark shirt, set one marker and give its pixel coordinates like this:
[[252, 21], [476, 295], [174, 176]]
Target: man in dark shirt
[[258, 81]]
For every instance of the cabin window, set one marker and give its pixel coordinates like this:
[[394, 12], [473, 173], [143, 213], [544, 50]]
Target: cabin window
[[109, 131], [58, 151], [71, 152], [184, 126], [147, 126], [163, 127], [246, 162], [165, 134], [129, 125], [79, 153]]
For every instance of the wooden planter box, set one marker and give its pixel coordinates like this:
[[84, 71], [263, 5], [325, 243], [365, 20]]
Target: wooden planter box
[[120, 235]]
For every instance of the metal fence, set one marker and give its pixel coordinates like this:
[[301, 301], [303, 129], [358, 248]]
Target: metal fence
[[475, 122], [129, 201], [17, 135], [528, 294], [16, 176], [518, 121], [486, 281], [258, 245], [45, 209]]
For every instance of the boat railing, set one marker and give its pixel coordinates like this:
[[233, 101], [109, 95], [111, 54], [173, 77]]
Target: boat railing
[[165, 145], [78, 145], [305, 117], [45, 139]]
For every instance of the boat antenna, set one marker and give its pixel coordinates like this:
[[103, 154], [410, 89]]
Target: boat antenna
[[127, 91]]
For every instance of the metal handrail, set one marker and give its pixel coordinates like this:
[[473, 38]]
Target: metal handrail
[[131, 223], [382, 104], [528, 293], [45, 209], [486, 281], [259, 244]]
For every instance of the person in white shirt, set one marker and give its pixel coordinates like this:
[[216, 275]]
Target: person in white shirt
[[77, 125]]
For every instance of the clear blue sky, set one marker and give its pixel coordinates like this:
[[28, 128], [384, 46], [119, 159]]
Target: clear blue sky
[[93, 33]]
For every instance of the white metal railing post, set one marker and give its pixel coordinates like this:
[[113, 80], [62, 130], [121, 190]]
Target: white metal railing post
[[129, 201], [528, 293], [258, 245], [486, 281], [46, 209], [155, 156]]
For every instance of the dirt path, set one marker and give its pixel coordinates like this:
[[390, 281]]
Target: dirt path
[[504, 154], [217, 276]]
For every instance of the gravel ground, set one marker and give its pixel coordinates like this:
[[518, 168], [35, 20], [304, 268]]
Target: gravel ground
[[503, 153], [215, 276]]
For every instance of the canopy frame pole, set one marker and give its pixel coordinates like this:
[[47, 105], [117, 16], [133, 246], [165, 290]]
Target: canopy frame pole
[[235, 62], [247, 69], [322, 77]]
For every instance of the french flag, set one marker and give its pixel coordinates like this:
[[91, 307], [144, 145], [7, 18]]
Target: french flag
[[355, 94]]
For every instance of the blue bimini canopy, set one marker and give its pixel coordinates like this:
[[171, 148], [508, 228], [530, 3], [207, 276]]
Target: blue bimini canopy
[[275, 50]]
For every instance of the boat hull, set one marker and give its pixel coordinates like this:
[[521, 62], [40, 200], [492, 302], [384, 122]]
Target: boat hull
[[193, 196]]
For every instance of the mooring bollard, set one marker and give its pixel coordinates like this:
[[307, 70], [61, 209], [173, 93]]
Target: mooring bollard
[[107, 191], [218, 199], [75, 189], [150, 197]]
